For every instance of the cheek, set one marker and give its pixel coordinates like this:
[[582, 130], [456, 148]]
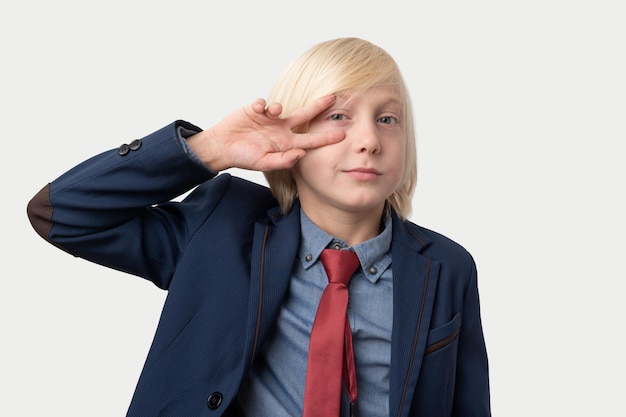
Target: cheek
[[322, 157], [310, 163], [398, 176], [398, 164]]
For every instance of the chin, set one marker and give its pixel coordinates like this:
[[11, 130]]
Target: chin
[[364, 206]]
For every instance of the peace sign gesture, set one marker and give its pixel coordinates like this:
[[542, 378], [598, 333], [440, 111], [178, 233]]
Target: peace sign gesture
[[256, 138]]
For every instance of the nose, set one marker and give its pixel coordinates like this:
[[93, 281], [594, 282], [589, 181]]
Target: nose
[[366, 138]]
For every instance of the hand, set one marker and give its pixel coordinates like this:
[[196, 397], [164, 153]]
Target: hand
[[255, 137]]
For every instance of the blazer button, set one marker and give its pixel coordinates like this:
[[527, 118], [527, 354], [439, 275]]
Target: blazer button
[[123, 149], [134, 145], [215, 400]]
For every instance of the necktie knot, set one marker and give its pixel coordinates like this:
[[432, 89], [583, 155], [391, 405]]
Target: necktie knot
[[339, 264]]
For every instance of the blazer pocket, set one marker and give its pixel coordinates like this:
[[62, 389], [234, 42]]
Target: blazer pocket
[[442, 336]]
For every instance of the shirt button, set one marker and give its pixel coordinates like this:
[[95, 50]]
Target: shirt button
[[308, 258], [372, 270], [337, 245]]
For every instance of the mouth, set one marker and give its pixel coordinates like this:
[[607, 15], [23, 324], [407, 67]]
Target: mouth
[[363, 174]]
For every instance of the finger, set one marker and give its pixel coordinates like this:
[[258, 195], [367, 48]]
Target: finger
[[258, 106], [274, 110], [316, 140], [311, 110], [282, 160]]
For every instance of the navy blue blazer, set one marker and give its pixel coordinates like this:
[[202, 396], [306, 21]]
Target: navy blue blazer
[[225, 255]]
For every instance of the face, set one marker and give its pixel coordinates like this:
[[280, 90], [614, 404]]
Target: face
[[359, 173]]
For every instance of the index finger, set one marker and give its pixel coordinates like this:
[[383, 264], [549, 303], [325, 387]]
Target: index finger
[[308, 112]]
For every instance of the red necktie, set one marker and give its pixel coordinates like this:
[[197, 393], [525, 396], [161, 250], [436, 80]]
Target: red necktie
[[330, 348]]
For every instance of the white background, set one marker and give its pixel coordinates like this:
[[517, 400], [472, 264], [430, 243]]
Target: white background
[[520, 109]]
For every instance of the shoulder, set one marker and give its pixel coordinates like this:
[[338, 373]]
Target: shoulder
[[240, 197], [432, 244]]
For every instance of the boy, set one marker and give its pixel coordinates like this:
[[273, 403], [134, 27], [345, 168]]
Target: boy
[[242, 263]]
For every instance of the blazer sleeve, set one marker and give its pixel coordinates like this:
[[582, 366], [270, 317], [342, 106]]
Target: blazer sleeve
[[472, 377], [115, 208]]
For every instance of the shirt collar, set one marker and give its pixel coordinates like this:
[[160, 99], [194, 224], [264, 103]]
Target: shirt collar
[[374, 254]]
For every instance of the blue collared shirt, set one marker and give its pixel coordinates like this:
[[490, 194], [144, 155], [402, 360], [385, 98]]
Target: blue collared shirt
[[275, 386]]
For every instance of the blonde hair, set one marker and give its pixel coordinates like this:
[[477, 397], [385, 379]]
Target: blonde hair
[[343, 64]]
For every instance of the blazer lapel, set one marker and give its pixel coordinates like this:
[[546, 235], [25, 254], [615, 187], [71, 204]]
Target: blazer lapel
[[414, 284], [274, 250]]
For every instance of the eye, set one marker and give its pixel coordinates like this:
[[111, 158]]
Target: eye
[[388, 120], [337, 117]]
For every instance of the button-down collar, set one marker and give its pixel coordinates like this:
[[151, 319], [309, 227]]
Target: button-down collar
[[374, 254]]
